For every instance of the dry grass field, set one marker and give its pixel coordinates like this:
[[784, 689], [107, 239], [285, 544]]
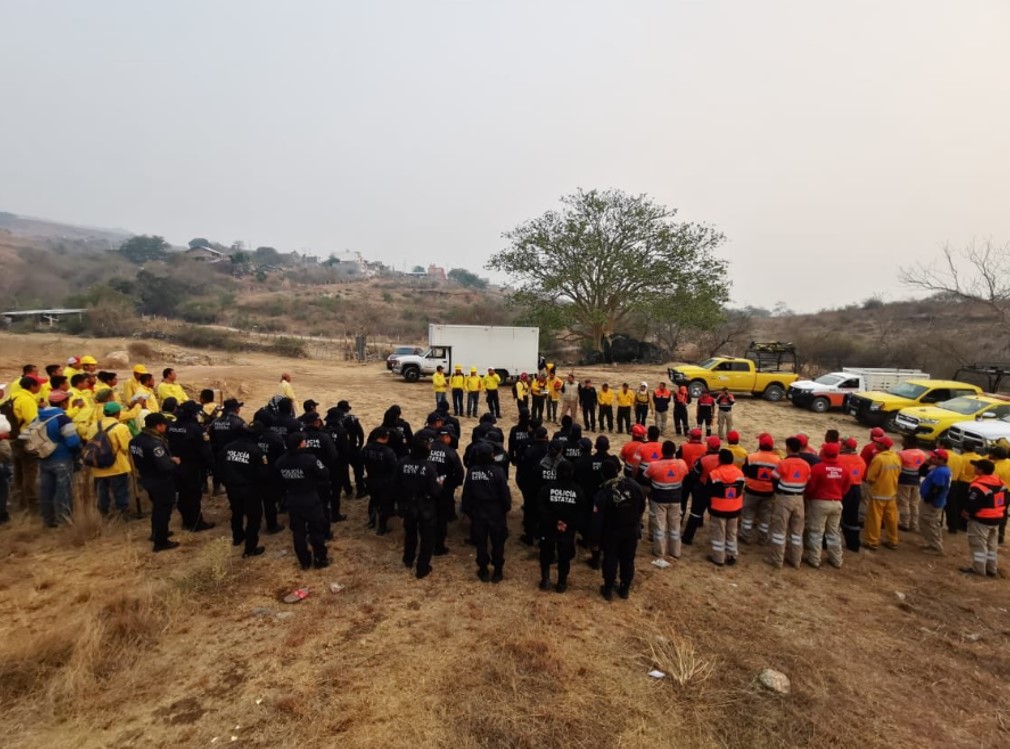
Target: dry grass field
[[104, 644]]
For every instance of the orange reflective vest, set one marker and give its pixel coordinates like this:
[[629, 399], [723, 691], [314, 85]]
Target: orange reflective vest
[[758, 470], [792, 474], [691, 451], [993, 495], [726, 491]]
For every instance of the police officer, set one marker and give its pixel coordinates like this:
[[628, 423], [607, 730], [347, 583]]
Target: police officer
[[318, 442], [342, 416], [272, 446], [617, 522], [302, 473], [190, 444], [155, 464], [488, 424], [559, 503], [450, 468], [487, 500], [519, 437], [528, 481], [284, 421], [400, 434], [417, 488], [223, 430], [244, 471], [379, 461]]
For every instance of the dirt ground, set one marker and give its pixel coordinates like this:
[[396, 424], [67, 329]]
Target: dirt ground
[[104, 644]]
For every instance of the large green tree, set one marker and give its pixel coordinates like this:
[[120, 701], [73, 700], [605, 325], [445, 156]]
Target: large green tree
[[605, 260], [141, 249]]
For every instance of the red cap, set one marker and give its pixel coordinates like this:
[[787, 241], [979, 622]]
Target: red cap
[[733, 437], [694, 433], [638, 431], [57, 396], [40, 380], [804, 440], [876, 433], [885, 442], [766, 441], [940, 454], [849, 443], [830, 450], [713, 442]]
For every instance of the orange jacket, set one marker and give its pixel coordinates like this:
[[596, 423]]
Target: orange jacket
[[792, 475], [726, 491]]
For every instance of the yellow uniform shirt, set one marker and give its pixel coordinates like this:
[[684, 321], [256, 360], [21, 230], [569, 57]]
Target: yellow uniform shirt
[[119, 437], [151, 404], [130, 388], [172, 390], [625, 398], [967, 469], [1003, 471], [522, 389], [954, 462], [438, 382], [26, 408], [491, 381], [457, 381], [883, 473], [554, 388], [472, 384], [44, 391], [605, 397], [69, 372], [739, 454], [537, 388]]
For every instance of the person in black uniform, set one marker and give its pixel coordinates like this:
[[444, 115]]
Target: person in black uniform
[[400, 434], [450, 467], [302, 473], [417, 488], [379, 461], [189, 443], [155, 464], [222, 430], [519, 437], [559, 503], [284, 421], [487, 425], [451, 422], [487, 500], [244, 472], [617, 523], [341, 414], [529, 483], [318, 442], [588, 400], [272, 489]]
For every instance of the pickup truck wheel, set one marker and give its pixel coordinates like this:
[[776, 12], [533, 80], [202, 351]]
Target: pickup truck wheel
[[820, 405], [696, 388], [411, 374], [890, 423], [774, 393]]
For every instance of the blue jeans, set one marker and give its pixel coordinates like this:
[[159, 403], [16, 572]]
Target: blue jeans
[[439, 397], [118, 487], [56, 496]]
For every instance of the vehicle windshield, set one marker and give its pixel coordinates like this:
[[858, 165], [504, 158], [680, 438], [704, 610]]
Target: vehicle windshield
[[965, 406], [404, 350], [708, 364], [908, 390], [829, 379]]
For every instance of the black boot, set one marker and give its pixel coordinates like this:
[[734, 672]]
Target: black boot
[[693, 523], [594, 560]]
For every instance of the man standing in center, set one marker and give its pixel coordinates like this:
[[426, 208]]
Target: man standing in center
[[417, 488], [790, 477], [625, 399], [661, 398], [491, 382], [724, 402], [570, 399], [457, 384], [588, 399], [473, 386], [829, 483], [438, 384]]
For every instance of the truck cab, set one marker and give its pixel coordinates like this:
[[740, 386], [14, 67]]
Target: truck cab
[[930, 423], [826, 392], [414, 367]]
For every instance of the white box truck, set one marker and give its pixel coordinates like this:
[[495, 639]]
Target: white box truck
[[510, 351], [830, 390]]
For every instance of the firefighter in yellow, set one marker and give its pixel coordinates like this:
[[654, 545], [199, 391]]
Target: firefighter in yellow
[[169, 388], [131, 385], [473, 385], [491, 381], [457, 384], [438, 384]]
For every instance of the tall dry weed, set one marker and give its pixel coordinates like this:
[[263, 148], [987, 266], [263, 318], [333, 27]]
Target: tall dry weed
[[677, 657], [213, 567]]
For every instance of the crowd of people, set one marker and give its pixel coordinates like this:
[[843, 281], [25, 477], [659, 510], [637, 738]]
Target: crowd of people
[[78, 433]]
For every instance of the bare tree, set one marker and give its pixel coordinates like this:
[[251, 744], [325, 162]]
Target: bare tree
[[736, 326], [979, 273]]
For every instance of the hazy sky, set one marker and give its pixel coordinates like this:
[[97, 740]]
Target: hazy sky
[[831, 142]]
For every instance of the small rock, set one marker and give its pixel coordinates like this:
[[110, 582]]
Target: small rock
[[973, 637], [899, 595], [774, 680], [282, 615], [261, 611], [116, 360]]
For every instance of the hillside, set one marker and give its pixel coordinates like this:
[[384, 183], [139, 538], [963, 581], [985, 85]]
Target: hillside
[[38, 228], [103, 643]]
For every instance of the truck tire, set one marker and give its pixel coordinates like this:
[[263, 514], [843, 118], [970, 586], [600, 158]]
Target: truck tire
[[696, 388], [504, 374], [774, 393], [890, 423], [820, 405], [412, 374]]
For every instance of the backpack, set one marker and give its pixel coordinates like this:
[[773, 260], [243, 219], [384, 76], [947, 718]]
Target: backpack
[[36, 440], [515, 392], [7, 410], [98, 452]]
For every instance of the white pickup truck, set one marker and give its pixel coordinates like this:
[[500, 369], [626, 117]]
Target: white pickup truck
[[830, 390]]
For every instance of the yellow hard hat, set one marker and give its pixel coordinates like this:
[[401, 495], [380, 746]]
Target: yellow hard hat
[[89, 360], [473, 369], [139, 369]]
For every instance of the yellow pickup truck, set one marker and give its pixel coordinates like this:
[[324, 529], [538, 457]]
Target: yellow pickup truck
[[739, 375], [881, 408]]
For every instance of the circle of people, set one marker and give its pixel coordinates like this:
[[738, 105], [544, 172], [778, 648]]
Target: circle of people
[[799, 502]]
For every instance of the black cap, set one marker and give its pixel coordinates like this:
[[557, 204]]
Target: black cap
[[309, 405], [310, 417], [985, 465], [602, 443], [493, 436], [154, 419], [557, 446], [190, 407], [540, 433], [443, 431], [585, 444], [231, 404], [443, 406], [343, 405], [294, 440], [170, 404], [483, 448]]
